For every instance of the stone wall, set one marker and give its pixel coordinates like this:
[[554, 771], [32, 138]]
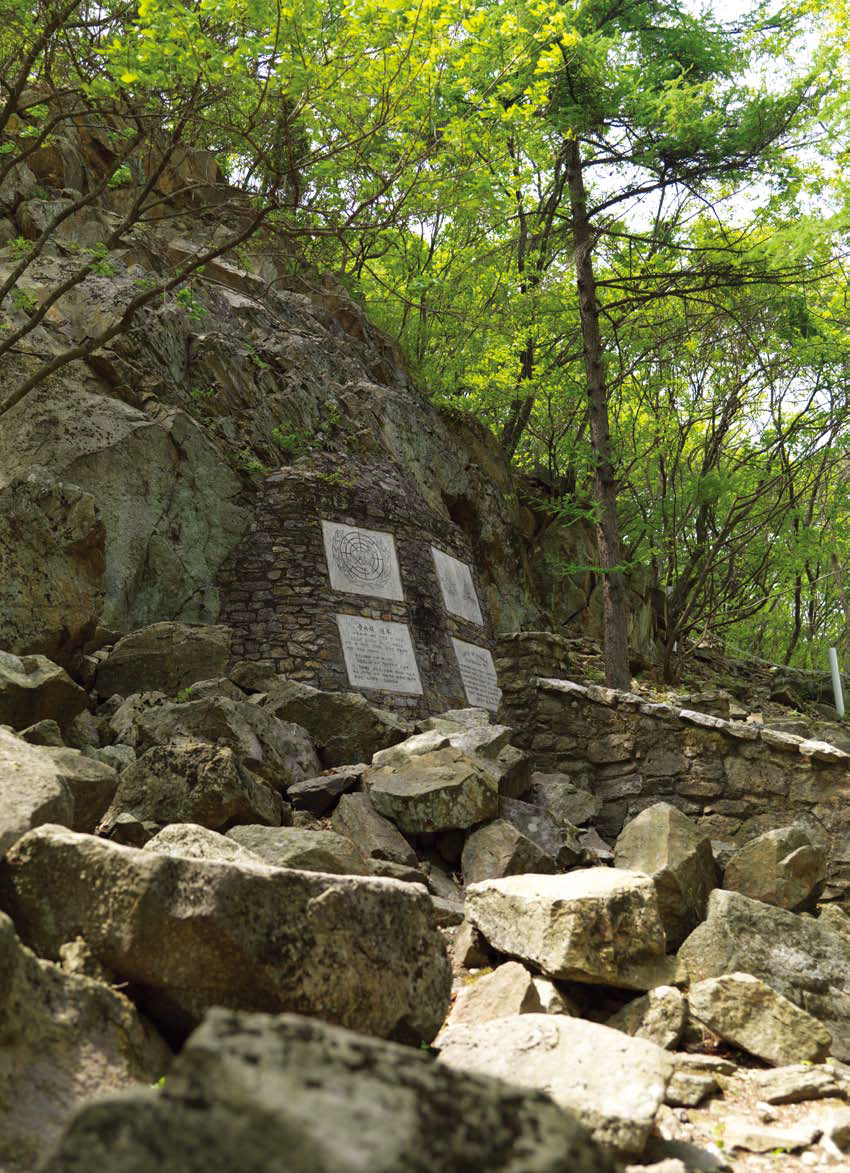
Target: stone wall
[[734, 778], [277, 593]]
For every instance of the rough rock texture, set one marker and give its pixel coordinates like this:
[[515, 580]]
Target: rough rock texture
[[319, 795], [597, 925], [343, 726], [92, 785], [793, 954], [64, 1039], [52, 554], [500, 849], [782, 867], [566, 801], [665, 844], [278, 752], [503, 992], [298, 847], [749, 1014], [374, 836], [192, 934], [194, 842], [33, 688], [249, 1091], [165, 657], [613, 1083], [793, 1084], [193, 782], [557, 838], [658, 1016], [32, 790], [437, 791]]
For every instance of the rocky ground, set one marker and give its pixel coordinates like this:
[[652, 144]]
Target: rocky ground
[[242, 917]]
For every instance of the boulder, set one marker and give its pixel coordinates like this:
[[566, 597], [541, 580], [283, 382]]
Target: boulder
[[319, 795], [45, 732], [749, 1014], [123, 721], [297, 847], [280, 753], [193, 782], [500, 849], [437, 791], [597, 925], [65, 1039], [613, 1083], [191, 934], [165, 657], [666, 845], [33, 688], [557, 839], [558, 794], [32, 790], [486, 744], [92, 785], [501, 993], [256, 1093], [658, 1016], [343, 726], [794, 1084], [194, 842], [794, 955], [52, 552], [374, 836], [782, 867]]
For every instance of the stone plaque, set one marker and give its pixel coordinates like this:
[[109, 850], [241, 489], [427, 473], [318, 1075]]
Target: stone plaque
[[455, 580], [478, 673], [362, 561], [378, 655]]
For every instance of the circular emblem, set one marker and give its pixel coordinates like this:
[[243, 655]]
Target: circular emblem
[[361, 558]]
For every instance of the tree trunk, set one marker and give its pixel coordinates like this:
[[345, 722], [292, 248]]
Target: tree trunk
[[615, 625]]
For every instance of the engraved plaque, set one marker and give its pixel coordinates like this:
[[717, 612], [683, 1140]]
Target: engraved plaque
[[478, 673], [378, 655], [455, 580], [362, 561]]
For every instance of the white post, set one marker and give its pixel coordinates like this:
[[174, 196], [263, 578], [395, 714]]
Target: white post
[[836, 682]]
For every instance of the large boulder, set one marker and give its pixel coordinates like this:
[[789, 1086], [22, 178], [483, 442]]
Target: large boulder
[[33, 688], [52, 554], [280, 753], [597, 925], [32, 790], [436, 791], [191, 934], [195, 842], [165, 657], [374, 836], [794, 955], [666, 845], [193, 782], [659, 1016], [500, 849], [782, 867], [558, 839], [559, 794], [749, 1014], [343, 726], [500, 993], [613, 1083], [92, 785], [472, 734], [65, 1039], [254, 1093], [301, 847]]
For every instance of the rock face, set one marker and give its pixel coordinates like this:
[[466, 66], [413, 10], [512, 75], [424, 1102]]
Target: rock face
[[32, 790], [193, 782], [781, 867], [52, 553], [500, 849], [794, 955], [331, 1101], [612, 1082], [597, 925], [299, 847], [192, 934], [437, 791], [749, 1014], [165, 657], [665, 844], [65, 1039], [33, 688]]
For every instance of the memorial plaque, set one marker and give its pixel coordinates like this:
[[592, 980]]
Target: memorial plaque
[[478, 673], [362, 561], [378, 655], [455, 580]]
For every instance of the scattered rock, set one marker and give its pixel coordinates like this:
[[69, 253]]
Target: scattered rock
[[658, 1016], [374, 836], [469, 948], [192, 934], [45, 732], [33, 688], [435, 792], [837, 1128], [92, 785], [688, 1089], [569, 804], [164, 657], [32, 790], [598, 925], [295, 847], [782, 867], [500, 849], [759, 1138], [665, 844], [749, 1014], [503, 992], [613, 1083], [309, 1091], [558, 840], [195, 842], [319, 795], [792, 1085]]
